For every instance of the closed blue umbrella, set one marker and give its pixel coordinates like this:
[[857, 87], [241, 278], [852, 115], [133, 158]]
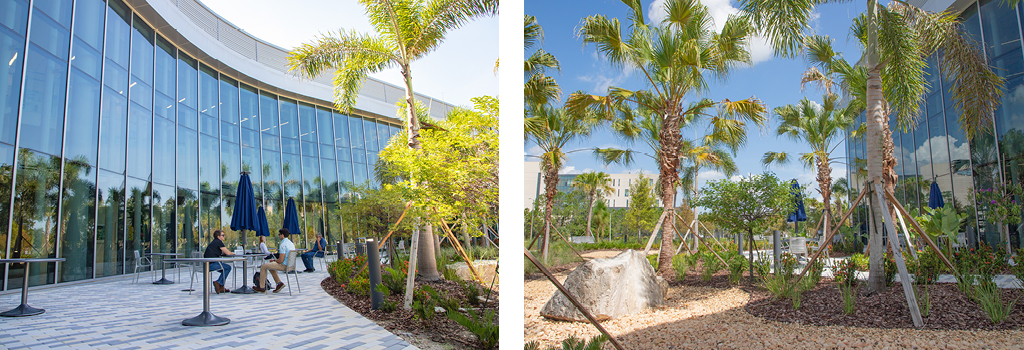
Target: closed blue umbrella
[[245, 216], [291, 218], [264, 228], [935, 197], [799, 214]]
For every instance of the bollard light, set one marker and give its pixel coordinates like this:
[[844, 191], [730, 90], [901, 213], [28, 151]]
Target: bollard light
[[373, 260]]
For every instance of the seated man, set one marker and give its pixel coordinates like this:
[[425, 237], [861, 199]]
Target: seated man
[[216, 249], [318, 251], [279, 264]]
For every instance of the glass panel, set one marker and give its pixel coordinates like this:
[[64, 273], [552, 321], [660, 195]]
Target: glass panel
[[163, 151], [290, 146], [311, 179], [370, 133], [11, 53], [271, 142], [960, 162], [940, 156], [188, 91], [291, 168], [110, 224], [268, 114], [118, 33], [231, 237], [164, 231], [58, 10], [251, 164], [383, 135], [250, 138], [313, 217], [325, 126], [229, 132], [140, 142], [43, 113], [165, 68], [188, 221], [229, 165], [1002, 32], [341, 130], [83, 117], [356, 132], [77, 221], [139, 235], [289, 119], [208, 92], [14, 15], [116, 78], [275, 218], [228, 101], [113, 126], [36, 195], [272, 175], [345, 172], [307, 123], [164, 106], [329, 177], [142, 53], [6, 168], [188, 162], [250, 108], [359, 174], [310, 149], [210, 220], [327, 152], [50, 35], [344, 154], [209, 169]]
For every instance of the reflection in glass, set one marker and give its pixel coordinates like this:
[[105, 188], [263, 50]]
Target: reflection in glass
[[77, 221], [109, 224], [272, 175], [209, 220], [140, 141], [12, 46], [289, 119], [250, 108], [188, 221], [164, 231], [35, 215], [43, 113], [188, 162], [291, 169], [113, 125], [341, 130], [83, 118], [138, 237]]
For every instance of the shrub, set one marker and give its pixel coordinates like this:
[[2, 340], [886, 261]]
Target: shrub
[[681, 264], [813, 275], [845, 273], [394, 280], [388, 306], [990, 297], [762, 266], [736, 266], [343, 269], [849, 298], [449, 303], [481, 326], [423, 310], [359, 286], [653, 259], [928, 267], [1018, 269], [924, 302], [891, 270], [860, 261], [472, 292], [711, 265], [572, 343]]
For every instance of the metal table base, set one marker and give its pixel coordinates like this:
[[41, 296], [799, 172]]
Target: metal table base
[[24, 309], [244, 289]]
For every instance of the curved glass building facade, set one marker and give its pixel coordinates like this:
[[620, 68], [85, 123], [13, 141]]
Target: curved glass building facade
[[124, 126], [936, 149]]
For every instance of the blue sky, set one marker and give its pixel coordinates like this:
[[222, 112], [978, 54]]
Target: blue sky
[[775, 81], [468, 53]]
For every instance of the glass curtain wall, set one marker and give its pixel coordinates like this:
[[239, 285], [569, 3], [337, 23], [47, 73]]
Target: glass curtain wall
[[115, 144]]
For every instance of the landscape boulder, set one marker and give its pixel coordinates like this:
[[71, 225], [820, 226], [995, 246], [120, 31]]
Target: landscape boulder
[[608, 288], [488, 269]]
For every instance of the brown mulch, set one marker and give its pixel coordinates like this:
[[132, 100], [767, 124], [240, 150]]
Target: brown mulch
[[823, 306], [440, 329]]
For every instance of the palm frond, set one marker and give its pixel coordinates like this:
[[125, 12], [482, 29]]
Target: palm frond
[[769, 158], [622, 157]]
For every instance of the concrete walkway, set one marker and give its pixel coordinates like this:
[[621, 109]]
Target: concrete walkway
[[116, 314]]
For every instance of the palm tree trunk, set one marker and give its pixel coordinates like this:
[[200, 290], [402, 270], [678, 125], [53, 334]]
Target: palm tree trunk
[[876, 279], [550, 183], [668, 165], [590, 214], [825, 186], [427, 272]]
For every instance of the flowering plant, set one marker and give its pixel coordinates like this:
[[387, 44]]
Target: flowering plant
[[1002, 207]]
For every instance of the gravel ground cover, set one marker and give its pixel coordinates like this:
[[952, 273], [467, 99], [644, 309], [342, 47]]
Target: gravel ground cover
[[713, 314]]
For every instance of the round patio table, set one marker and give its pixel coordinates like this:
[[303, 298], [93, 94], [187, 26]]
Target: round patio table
[[163, 267], [24, 309], [244, 289], [205, 318]]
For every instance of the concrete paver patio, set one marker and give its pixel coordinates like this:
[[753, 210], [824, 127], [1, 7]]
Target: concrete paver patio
[[116, 314]]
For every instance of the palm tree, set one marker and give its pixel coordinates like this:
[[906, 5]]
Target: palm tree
[[820, 127], [540, 88], [897, 39], [595, 184], [674, 58], [407, 30], [552, 129]]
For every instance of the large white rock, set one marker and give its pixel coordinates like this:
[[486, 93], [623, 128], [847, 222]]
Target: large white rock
[[488, 270], [608, 288]]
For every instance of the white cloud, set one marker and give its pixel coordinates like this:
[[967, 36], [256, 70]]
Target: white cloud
[[534, 150], [570, 170], [602, 80], [760, 49], [710, 175]]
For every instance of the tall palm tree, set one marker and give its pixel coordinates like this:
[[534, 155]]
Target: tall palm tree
[[595, 184], [540, 88], [552, 129], [407, 30], [821, 127], [675, 58], [897, 39]]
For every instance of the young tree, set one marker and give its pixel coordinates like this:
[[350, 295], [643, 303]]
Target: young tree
[[642, 212], [674, 58], [897, 38], [747, 205], [596, 185]]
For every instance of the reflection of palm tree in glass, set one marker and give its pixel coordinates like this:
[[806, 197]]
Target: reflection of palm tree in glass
[[78, 194], [35, 207]]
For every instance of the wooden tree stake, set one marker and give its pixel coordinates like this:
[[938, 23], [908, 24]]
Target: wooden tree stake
[[908, 287], [657, 227], [828, 238]]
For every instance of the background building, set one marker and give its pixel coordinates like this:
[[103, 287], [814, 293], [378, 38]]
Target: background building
[[936, 149], [124, 126], [534, 185]]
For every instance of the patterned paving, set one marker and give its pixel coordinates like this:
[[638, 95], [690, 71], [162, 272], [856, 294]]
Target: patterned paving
[[117, 314]]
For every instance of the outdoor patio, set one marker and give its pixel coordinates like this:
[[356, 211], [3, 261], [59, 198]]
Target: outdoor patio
[[118, 314]]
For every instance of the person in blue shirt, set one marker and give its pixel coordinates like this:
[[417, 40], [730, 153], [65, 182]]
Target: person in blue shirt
[[317, 251]]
